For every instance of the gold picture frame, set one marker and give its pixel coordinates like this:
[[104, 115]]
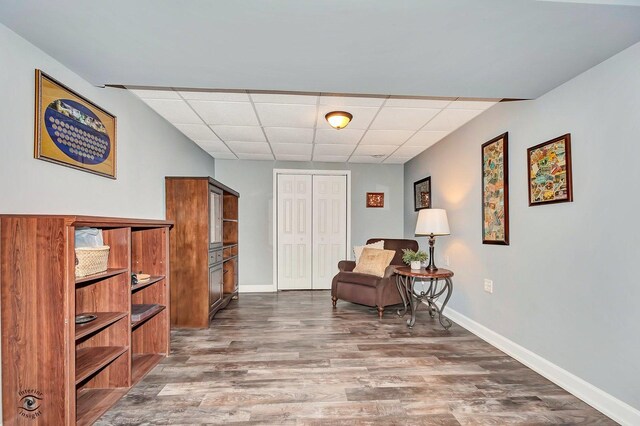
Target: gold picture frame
[[72, 131]]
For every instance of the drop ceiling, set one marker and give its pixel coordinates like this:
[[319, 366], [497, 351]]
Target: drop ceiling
[[450, 48], [291, 127]]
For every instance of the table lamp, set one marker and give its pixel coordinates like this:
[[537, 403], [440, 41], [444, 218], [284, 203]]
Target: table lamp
[[432, 222]]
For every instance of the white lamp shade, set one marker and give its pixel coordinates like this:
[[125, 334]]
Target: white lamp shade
[[432, 221]]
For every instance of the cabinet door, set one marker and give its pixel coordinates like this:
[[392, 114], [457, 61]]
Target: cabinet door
[[215, 217], [215, 284]]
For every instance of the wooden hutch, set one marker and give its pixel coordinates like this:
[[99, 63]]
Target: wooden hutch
[[57, 372], [204, 248]]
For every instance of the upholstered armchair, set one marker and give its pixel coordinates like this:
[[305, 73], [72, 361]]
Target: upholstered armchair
[[370, 290]]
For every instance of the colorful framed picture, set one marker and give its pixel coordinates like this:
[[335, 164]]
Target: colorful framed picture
[[73, 131], [549, 171], [375, 199], [495, 191], [422, 194]]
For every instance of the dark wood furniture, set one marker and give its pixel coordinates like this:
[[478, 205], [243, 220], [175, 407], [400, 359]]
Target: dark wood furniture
[[204, 248], [57, 372], [406, 279], [371, 290]]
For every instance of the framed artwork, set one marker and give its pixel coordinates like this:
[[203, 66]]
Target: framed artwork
[[549, 171], [495, 191], [422, 194], [73, 131], [375, 199]]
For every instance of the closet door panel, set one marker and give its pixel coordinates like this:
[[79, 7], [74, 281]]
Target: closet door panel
[[329, 227], [294, 232]]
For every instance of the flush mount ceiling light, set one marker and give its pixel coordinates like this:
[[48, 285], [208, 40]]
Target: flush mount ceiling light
[[338, 119]]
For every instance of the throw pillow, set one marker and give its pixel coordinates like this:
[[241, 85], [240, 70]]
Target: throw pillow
[[374, 261], [357, 250]]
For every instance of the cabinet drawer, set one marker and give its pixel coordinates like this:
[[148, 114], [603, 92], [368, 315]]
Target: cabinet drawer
[[215, 256]]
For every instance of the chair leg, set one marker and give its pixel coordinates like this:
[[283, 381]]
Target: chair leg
[[334, 300], [380, 312]]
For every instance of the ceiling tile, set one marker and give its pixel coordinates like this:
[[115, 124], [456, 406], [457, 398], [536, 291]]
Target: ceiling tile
[[175, 111], [386, 137], [374, 150], [155, 94], [351, 101], [365, 159], [287, 115], [362, 116], [396, 160], [223, 156], [402, 118], [408, 151], [226, 113], [200, 132], [343, 136], [451, 119], [255, 157], [276, 98], [289, 135], [418, 103], [331, 158], [213, 146], [425, 139], [250, 147], [199, 95], [288, 157], [334, 149], [292, 148], [483, 105], [240, 133]]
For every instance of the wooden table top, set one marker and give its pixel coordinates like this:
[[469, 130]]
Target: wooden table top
[[423, 273]]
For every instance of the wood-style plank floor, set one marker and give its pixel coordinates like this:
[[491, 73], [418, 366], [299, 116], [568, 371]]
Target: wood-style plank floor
[[289, 358]]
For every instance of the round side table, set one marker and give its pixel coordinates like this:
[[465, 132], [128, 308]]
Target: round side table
[[439, 284]]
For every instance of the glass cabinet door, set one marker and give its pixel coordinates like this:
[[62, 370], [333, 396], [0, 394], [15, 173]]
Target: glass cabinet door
[[215, 217]]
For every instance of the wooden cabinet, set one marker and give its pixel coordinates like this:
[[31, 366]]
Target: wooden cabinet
[[57, 372], [204, 248]]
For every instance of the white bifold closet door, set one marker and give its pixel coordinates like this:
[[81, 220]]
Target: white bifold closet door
[[312, 230], [294, 232], [329, 228]]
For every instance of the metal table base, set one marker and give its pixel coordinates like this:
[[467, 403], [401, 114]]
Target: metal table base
[[411, 298]]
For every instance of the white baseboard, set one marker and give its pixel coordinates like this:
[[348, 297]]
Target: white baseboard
[[610, 406], [242, 288]]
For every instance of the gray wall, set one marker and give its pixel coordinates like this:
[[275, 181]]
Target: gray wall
[[254, 181], [148, 147], [567, 287]]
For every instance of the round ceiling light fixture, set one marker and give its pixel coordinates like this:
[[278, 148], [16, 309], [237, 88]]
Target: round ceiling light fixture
[[338, 119]]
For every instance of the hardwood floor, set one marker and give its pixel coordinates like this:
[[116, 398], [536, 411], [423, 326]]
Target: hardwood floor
[[289, 358]]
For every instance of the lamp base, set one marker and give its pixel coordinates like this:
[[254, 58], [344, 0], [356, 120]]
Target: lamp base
[[432, 266]]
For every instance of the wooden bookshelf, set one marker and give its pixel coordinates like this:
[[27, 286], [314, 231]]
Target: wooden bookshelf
[[78, 370], [204, 248]]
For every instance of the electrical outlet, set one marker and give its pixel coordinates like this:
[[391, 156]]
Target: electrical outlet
[[488, 285], [446, 261]]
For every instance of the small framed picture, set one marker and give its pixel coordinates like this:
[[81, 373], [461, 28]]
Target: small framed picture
[[549, 170], [73, 131], [495, 191], [375, 199], [422, 194]]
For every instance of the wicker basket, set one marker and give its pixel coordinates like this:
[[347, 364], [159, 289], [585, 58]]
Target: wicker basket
[[91, 260]]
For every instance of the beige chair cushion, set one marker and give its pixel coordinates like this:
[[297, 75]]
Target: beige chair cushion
[[374, 261], [357, 250]]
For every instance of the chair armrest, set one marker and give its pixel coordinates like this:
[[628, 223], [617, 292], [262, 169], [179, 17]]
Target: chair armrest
[[390, 271], [346, 265]]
